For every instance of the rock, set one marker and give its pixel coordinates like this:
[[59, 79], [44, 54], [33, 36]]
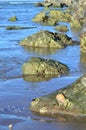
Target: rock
[[83, 42], [67, 102], [13, 19], [78, 14], [52, 17], [60, 16], [44, 67], [41, 17], [61, 28], [47, 39], [17, 27]]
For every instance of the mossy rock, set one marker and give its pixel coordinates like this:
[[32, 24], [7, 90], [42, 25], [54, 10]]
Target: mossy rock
[[71, 101], [44, 67], [47, 39], [61, 28], [13, 19], [60, 16], [40, 17]]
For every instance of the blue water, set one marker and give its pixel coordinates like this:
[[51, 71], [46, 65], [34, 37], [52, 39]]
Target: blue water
[[16, 93]]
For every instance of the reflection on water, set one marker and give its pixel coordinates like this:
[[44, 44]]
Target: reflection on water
[[41, 51], [38, 78]]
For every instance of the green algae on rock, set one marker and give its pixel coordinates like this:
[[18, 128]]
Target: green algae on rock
[[44, 67], [73, 101], [13, 19], [47, 39]]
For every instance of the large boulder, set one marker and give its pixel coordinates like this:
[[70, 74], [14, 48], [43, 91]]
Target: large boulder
[[67, 102], [44, 67], [47, 39]]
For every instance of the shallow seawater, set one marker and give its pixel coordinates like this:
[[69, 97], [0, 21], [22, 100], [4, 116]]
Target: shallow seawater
[[17, 92]]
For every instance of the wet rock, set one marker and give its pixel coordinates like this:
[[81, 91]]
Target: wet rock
[[67, 102], [44, 67], [13, 19], [47, 39], [61, 28]]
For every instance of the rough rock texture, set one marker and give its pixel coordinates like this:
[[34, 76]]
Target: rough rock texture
[[44, 67], [68, 101], [47, 39]]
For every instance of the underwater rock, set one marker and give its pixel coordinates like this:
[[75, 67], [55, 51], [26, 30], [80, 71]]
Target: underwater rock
[[17, 27], [67, 102], [61, 28], [44, 67], [13, 19], [47, 39]]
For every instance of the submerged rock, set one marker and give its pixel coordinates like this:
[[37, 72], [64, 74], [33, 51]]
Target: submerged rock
[[61, 28], [66, 102], [47, 39], [17, 27], [13, 19], [44, 67]]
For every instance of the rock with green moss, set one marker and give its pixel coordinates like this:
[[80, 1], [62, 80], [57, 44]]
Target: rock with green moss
[[46, 39], [44, 67], [13, 19], [61, 28], [67, 102]]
